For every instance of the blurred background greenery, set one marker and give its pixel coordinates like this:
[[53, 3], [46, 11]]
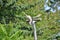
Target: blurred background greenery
[[13, 25]]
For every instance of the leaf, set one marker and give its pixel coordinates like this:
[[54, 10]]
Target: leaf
[[3, 29]]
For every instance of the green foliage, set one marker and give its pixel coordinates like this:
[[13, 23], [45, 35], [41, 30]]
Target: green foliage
[[13, 25]]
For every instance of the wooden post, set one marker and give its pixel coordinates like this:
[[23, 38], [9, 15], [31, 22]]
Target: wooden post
[[34, 28]]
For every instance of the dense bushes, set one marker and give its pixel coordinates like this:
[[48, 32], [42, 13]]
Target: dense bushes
[[13, 25]]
